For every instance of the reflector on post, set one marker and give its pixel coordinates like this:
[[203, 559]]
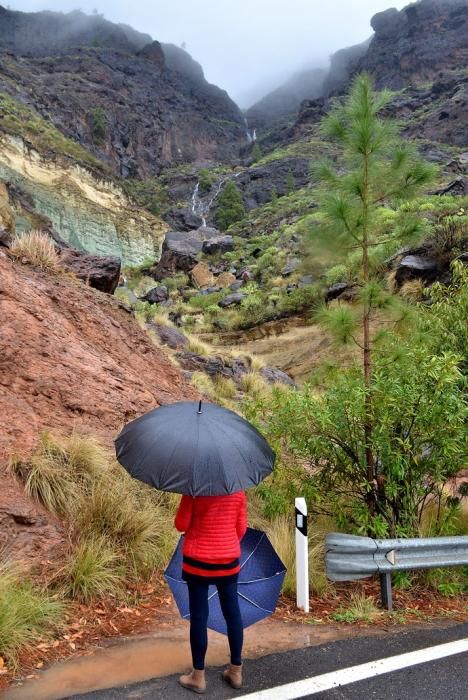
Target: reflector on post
[[302, 556]]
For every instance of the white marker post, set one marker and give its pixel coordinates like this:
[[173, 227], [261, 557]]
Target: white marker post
[[302, 556]]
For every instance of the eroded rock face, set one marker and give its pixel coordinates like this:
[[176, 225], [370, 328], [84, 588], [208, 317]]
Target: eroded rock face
[[202, 276]]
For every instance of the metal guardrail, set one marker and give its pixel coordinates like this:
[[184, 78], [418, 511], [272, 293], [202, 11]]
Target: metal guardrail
[[350, 557]]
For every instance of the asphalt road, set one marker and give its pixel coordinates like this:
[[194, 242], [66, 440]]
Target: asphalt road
[[443, 679]]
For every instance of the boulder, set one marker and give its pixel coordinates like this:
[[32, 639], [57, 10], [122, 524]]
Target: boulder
[[202, 276], [276, 376], [457, 188], [213, 366], [335, 291], [290, 267], [231, 300], [235, 286], [181, 251], [100, 272], [416, 267], [226, 279], [169, 336], [156, 295], [305, 281], [218, 244]]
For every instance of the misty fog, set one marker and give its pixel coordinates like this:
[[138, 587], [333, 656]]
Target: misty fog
[[247, 47]]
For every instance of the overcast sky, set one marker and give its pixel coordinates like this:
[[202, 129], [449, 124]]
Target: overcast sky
[[245, 46]]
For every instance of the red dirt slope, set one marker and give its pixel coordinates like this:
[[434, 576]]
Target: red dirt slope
[[70, 356]]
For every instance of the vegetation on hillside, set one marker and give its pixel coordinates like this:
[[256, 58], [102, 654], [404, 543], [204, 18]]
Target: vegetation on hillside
[[18, 120]]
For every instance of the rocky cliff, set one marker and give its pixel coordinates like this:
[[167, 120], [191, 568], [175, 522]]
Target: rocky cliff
[[412, 46], [138, 106]]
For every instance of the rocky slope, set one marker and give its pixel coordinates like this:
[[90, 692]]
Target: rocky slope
[[286, 99], [137, 106], [70, 356]]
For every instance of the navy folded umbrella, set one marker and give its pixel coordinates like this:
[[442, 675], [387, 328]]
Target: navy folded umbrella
[[260, 580], [194, 449]]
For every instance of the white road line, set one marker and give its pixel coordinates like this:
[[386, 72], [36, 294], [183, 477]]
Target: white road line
[[344, 676]]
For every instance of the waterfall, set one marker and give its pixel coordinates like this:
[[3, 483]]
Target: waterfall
[[197, 205], [250, 137], [202, 208]]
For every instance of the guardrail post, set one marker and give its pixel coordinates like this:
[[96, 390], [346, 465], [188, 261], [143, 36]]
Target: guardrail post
[[302, 556], [386, 591]]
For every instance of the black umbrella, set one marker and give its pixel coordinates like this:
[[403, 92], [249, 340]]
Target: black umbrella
[[195, 449]]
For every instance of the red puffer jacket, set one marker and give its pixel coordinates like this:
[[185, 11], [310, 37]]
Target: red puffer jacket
[[214, 527]]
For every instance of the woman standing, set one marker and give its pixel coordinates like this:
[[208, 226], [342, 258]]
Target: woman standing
[[214, 527]]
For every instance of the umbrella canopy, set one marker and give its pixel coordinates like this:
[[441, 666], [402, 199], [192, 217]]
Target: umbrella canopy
[[194, 449], [260, 580]]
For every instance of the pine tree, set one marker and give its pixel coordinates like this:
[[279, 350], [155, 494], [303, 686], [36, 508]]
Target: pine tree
[[375, 168], [230, 207]]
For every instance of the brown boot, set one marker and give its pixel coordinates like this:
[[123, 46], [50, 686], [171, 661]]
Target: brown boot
[[233, 676], [194, 681]]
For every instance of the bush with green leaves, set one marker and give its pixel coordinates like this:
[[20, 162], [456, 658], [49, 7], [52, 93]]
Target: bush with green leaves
[[374, 167], [419, 413]]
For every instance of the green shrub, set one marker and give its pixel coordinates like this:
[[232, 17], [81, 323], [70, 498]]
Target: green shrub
[[206, 181], [98, 125], [338, 273]]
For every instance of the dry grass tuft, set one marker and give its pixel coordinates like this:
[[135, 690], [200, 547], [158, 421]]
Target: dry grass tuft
[[281, 532], [38, 249], [255, 385], [414, 290], [361, 608], [224, 387], [198, 346]]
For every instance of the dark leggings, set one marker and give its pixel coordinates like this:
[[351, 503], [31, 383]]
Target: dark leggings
[[198, 601]]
